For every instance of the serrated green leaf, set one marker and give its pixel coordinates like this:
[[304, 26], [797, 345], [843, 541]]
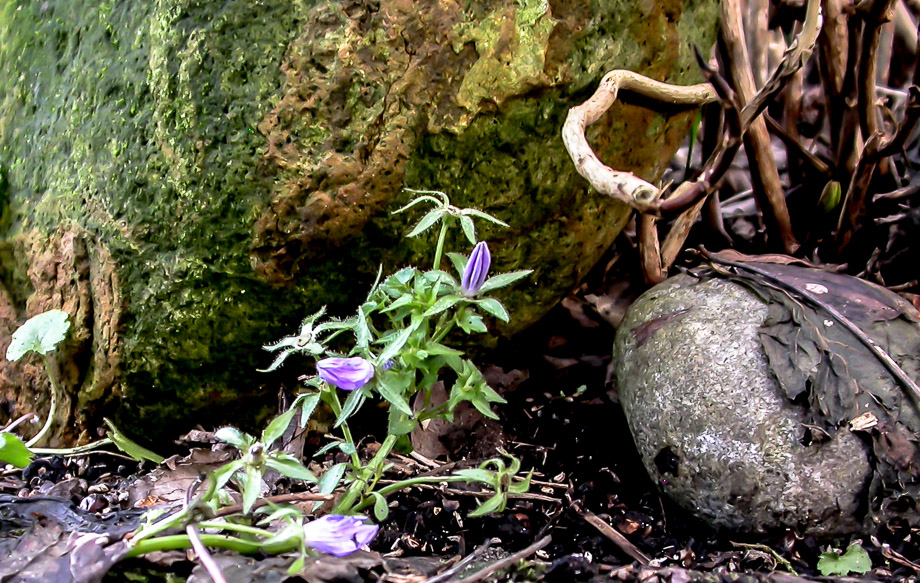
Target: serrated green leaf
[[278, 426], [308, 405], [234, 437], [13, 451], [470, 322], [42, 334], [426, 222], [483, 407], [381, 510], [396, 344], [503, 279], [403, 300], [287, 465], [223, 474], [329, 481], [392, 386], [466, 223], [459, 260], [443, 303], [855, 560], [352, 403], [477, 475], [486, 216], [134, 450], [494, 307], [251, 481], [494, 504], [399, 423]]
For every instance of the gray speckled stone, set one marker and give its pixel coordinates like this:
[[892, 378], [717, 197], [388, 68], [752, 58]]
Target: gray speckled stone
[[699, 396]]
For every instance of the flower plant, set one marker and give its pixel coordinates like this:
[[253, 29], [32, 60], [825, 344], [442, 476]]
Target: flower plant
[[393, 350]]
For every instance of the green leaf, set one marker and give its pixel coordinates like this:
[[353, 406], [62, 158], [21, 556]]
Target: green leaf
[[494, 307], [392, 386], [503, 279], [234, 437], [426, 222], [307, 407], [459, 260], [470, 322], [466, 223], [494, 504], [477, 475], [830, 196], [394, 346], [42, 334], [381, 510], [443, 303], [223, 474], [486, 216], [483, 407], [14, 451], [330, 480], [252, 487], [352, 403], [134, 450], [278, 426], [287, 465], [400, 423], [855, 560]]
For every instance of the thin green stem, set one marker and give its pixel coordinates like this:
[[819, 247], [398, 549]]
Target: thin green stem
[[442, 237], [218, 541], [337, 409], [71, 450], [391, 488], [356, 490], [51, 410], [172, 521], [233, 527], [445, 324]]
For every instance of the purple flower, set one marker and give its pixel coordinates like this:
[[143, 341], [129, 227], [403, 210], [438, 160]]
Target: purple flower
[[476, 270], [347, 374], [338, 535]]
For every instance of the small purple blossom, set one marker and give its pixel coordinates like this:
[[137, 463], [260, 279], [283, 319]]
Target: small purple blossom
[[347, 374], [476, 270], [338, 535]]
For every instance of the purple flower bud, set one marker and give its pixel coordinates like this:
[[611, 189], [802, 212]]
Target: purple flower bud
[[347, 374], [338, 535], [477, 268]]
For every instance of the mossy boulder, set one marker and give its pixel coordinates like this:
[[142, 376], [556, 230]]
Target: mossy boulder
[[188, 178]]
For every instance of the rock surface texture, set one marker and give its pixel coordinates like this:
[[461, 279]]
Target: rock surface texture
[[712, 425], [189, 178]]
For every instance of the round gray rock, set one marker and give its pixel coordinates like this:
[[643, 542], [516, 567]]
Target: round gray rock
[[712, 425]]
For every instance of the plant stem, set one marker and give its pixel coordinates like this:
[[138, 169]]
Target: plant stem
[[71, 450], [390, 489], [181, 541], [242, 528], [51, 410], [337, 409], [355, 491], [442, 237]]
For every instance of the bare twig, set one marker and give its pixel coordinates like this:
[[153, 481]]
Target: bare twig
[[623, 186], [614, 535], [764, 174], [460, 565], [508, 561]]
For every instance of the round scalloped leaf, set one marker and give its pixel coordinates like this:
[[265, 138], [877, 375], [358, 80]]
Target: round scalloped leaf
[[41, 334], [13, 451]]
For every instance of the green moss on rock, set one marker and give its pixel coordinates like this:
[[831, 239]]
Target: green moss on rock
[[228, 167]]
